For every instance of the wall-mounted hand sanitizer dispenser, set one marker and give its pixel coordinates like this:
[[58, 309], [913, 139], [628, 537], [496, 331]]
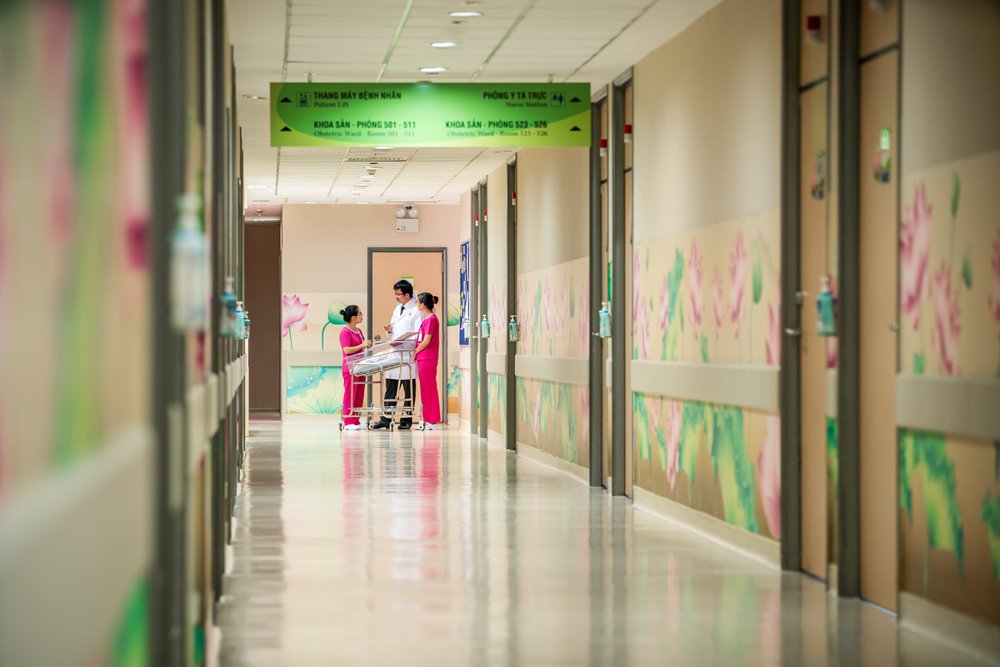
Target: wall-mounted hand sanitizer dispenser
[[826, 305], [513, 330], [604, 320]]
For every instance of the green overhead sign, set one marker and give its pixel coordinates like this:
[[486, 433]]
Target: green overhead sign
[[430, 114]]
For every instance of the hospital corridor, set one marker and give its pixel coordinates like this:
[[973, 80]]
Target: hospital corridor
[[499, 332]]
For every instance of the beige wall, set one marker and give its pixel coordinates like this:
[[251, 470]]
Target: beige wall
[[707, 121], [951, 100], [553, 206], [950, 298], [325, 247]]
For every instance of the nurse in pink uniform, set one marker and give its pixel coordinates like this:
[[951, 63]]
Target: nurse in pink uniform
[[352, 341], [428, 346]]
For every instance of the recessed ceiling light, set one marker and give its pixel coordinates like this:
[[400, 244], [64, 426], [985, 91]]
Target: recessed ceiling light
[[367, 178], [444, 45], [465, 13], [383, 148], [255, 97], [311, 202], [433, 70]]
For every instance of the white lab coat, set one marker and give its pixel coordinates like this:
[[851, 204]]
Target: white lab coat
[[403, 323]]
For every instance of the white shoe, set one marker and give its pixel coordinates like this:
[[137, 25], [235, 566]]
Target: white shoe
[[352, 427]]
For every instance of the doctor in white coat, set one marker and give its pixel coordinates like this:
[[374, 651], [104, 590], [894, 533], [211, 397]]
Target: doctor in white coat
[[405, 320]]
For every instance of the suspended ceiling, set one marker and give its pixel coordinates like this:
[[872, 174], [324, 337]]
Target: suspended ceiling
[[349, 41]]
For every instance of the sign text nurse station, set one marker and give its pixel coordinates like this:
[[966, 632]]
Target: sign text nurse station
[[430, 114]]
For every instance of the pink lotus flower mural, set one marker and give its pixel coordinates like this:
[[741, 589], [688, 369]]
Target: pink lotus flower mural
[[665, 297], [947, 327], [536, 422], [737, 282], [994, 299], [915, 250], [717, 306], [695, 274], [769, 473], [293, 314], [674, 423], [773, 342]]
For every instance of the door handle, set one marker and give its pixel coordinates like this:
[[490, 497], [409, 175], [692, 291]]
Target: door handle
[[789, 331], [894, 327]]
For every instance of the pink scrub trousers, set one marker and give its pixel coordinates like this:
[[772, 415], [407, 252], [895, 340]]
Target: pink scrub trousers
[[354, 391], [427, 364]]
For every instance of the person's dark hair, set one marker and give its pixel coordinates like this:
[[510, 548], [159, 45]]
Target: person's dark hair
[[403, 286], [349, 312], [427, 299]]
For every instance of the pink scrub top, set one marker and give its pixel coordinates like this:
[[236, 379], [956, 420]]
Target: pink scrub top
[[429, 329], [348, 339]]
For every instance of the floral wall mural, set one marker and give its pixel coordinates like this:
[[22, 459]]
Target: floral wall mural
[[949, 282], [950, 271], [498, 403], [710, 296], [465, 394], [311, 321], [552, 307], [497, 313], [548, 418], [74, 256], [314, 390], [722, 460]]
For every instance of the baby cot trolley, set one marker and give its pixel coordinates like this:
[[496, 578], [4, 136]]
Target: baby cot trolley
[[369, 367]]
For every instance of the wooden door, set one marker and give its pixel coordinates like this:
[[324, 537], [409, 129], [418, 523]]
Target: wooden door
[[263, 303], [812, 388], [879, 270], [425, 269]]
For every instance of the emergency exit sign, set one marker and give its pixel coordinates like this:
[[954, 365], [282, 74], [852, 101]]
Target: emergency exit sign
[[430, 114]]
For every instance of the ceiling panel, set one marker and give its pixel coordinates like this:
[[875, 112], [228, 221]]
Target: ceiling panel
[[343, 40]]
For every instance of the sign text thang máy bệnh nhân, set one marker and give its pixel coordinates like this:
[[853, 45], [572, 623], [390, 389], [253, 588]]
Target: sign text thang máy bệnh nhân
[[430, 114]]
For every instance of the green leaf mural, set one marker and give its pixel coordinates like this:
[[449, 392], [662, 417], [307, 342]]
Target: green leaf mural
[[733, 468], [697, 421], [131, 643], [704, 349], [675, 320], [454, 315], [640, 426], [926, 454], [919, 362], [906, 467], [990, 512], [967, 270], [333, 317], [758, 273], [956, 191], [832, 455]]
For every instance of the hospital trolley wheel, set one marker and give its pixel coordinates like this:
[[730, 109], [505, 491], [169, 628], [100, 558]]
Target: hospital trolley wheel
[[371, 425], [341, 425]]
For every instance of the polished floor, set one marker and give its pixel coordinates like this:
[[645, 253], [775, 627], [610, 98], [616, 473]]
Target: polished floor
[[435, 548]]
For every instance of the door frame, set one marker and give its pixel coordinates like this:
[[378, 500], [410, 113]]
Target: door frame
[[482, 288], [473, 297], [849, 269], [443, 308], [511, 370], [790, 378], [596, 343], [620, 353]]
